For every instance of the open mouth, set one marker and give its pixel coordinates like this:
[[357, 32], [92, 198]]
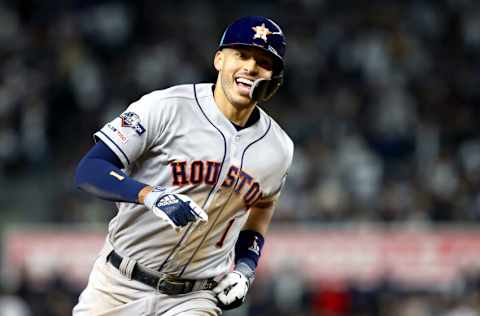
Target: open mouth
[[244, 84]]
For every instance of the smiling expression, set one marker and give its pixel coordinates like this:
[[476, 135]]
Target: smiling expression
[[238, 68]]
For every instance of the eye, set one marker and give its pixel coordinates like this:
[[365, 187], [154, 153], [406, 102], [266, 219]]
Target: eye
[[265, 63], [241, 54]]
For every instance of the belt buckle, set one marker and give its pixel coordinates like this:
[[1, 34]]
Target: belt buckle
[[169, 286]]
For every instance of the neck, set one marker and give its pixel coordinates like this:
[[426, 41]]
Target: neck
[[236, 114]]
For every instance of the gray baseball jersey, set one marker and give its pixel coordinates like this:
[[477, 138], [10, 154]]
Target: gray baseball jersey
[[179, 139]]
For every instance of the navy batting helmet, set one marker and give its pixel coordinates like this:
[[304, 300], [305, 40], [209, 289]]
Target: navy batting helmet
[[256, 31], [261, 32]]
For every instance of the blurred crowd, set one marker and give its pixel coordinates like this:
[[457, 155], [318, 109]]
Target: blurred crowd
[[380, 97]]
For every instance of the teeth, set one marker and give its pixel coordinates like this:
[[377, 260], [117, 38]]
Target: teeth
[[245, 81]]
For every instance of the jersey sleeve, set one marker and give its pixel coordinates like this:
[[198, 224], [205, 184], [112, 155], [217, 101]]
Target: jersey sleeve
[[282, 173], [135, 130]]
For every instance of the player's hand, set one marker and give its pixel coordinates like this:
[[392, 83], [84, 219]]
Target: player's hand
[[176, 209], [232, 290]]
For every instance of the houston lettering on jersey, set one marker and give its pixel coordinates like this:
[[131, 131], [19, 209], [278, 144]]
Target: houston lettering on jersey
[[199, 171]]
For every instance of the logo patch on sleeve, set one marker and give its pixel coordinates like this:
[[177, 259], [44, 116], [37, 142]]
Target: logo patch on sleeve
[[120, 135], [132, 120]]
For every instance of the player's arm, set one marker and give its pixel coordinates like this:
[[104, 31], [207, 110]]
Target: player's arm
[[99, 173], [260, 216], [250, 241], [232, 290]]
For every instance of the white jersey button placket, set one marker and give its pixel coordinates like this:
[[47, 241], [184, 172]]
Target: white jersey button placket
[[235, 153]]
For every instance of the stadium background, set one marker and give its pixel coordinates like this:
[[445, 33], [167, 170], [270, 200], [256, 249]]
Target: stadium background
[[381, 99]]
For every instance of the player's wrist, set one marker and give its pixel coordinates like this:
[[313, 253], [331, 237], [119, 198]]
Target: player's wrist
[[246, 270], [143, 193], [151, 196]]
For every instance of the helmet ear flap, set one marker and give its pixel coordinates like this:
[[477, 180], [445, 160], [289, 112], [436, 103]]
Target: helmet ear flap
[[264, 89]]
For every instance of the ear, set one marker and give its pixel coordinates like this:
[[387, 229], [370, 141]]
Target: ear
[[218, 60]]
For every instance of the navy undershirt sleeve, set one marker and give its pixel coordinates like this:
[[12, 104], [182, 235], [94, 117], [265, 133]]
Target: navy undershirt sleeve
[[99, 173]]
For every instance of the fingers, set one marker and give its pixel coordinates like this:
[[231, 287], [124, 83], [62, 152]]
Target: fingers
[[199, 213], [195, 208], [233, 286], [221, 286], [222, 297], [178, 211], [226, 297], [232, 293]]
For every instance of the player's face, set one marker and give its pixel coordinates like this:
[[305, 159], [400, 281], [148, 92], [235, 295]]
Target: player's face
[[238, 68]]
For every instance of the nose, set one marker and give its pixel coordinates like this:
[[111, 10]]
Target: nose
[[251, 66]]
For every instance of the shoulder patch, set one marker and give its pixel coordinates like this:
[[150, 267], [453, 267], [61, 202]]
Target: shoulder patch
[[132, 120]]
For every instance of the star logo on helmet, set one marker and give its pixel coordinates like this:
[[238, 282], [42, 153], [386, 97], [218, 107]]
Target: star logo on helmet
[[261, 32]]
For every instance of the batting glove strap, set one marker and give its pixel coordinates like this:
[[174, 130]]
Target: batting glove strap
[[232, 290], [153, 196]]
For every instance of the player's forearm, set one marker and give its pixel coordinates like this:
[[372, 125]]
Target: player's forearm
[[250, 242], [106, 181], [260, 217], [99, 173]]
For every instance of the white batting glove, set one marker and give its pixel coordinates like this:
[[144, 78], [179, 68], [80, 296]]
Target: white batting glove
[[176, 209], [232, 290]]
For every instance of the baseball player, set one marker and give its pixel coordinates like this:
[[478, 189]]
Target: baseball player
[[196, 171]]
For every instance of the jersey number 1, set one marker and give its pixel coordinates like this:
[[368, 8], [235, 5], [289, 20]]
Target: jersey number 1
[[219, 244]]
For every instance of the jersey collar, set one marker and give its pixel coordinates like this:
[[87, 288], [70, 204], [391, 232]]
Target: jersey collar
[[204, 94]]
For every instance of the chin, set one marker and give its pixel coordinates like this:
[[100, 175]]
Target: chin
[[238, 99], [242, 99], [242, 102]]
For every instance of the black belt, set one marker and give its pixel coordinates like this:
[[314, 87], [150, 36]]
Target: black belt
[[164, 283]]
